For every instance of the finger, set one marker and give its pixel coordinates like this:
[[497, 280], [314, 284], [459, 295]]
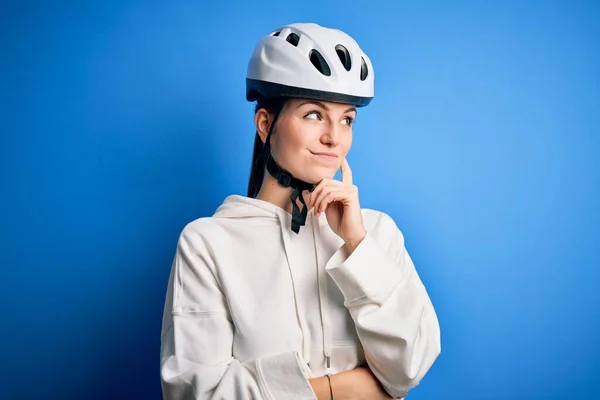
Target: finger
[[327, 197], [346, 173], [315, 193], [323, 193], [323, 185]]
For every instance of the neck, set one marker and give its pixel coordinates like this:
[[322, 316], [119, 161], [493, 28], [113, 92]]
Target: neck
[[272, 192]]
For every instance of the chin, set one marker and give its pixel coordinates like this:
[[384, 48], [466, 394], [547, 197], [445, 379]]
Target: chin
[[317, 174]]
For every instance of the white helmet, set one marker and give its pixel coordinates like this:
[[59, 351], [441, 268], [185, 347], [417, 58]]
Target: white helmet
[[308, 60]]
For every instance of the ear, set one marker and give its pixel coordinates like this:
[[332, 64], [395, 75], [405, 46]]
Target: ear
[[262, 120]]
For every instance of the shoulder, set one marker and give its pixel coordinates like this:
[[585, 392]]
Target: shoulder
[[197, 247], [200, 233]]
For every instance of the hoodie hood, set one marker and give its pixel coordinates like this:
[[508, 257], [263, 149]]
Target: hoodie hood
[[236, 206]]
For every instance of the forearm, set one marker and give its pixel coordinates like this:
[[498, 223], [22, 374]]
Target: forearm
[[342, 385], [358, 383], [321, 387], [351, 244]]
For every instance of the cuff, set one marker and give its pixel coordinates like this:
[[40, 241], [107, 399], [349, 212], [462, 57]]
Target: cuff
[[367, 274], [283, 377]]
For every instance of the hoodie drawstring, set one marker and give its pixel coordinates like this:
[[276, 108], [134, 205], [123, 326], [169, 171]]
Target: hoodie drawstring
[[323, 293], [323, 296], [299, 304]]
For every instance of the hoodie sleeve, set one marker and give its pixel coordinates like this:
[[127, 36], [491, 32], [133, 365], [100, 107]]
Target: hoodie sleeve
[[394, 317], [197, 336]]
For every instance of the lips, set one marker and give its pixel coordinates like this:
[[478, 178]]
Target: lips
[[324, 154]]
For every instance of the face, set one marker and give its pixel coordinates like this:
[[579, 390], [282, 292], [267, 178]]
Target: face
[[311, 138]]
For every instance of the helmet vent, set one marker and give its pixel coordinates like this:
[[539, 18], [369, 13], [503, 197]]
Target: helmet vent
[[319, 62], [364, 70], [293, 39], [344, 56]]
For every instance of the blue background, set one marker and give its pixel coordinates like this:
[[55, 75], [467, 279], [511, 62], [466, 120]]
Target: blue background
[[123, 121]]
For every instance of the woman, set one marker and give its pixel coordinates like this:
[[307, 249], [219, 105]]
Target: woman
[[295, 292]]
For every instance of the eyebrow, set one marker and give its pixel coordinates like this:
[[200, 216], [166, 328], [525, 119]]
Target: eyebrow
[[318, 103]]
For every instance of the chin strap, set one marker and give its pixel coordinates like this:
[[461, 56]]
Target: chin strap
[[286, 180]]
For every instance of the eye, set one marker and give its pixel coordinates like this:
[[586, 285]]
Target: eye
[[315, 115], [348, 120]]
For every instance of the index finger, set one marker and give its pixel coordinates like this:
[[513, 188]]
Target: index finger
[[346, 172]]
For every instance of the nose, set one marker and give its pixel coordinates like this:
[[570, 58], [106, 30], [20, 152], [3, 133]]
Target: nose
[[332, 135]]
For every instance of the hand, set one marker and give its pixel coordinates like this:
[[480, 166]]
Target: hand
[[358, 384], [339, 201]]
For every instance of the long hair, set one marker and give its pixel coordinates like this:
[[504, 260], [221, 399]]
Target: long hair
[[261, 151]]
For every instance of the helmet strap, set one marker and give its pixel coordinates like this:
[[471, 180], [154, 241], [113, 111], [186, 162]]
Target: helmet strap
[[287, 180]]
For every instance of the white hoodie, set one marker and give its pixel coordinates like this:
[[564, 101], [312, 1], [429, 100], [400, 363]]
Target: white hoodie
[[253, 310]]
